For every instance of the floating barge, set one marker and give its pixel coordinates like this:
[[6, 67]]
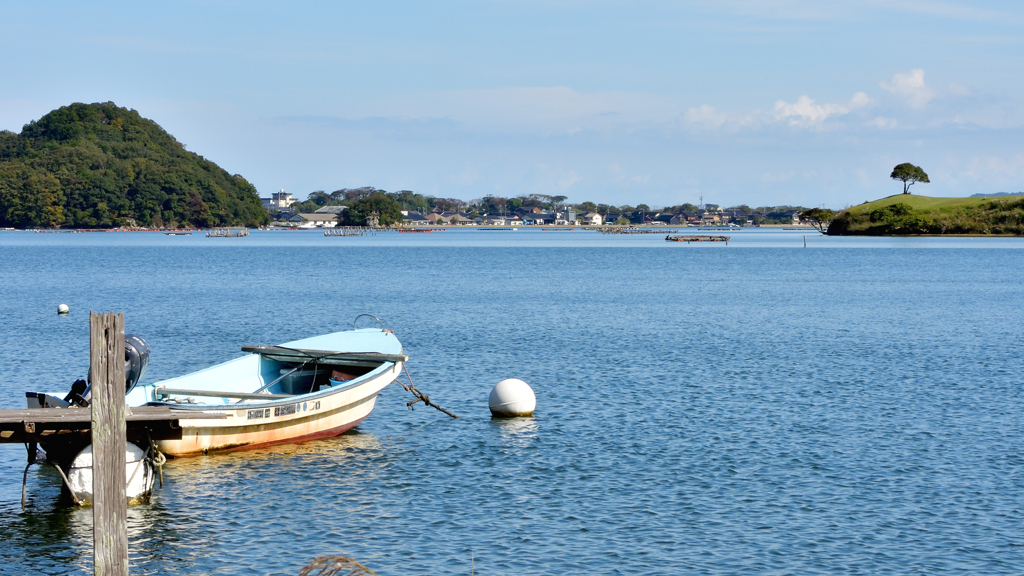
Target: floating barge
[[227, 232], [695, 238], [634, 230], [349, 231]]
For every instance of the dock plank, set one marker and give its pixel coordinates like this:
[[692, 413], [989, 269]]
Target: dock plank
[[138, 414], [21, 425]]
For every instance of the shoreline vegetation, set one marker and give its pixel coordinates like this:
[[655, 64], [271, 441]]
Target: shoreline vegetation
[[102, 166], [911, 215]]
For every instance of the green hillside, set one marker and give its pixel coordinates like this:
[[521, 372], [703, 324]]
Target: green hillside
[[101, 166], [911, 214]]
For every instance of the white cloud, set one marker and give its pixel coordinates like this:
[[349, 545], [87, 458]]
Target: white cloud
[[910, 87], [881, 122], [860, 100], [997, 168], [706, 117], [805, 113]]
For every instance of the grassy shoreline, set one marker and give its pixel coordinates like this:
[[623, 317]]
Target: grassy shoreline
[[912, 215]]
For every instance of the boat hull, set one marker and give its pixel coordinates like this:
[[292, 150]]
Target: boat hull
[[301, 418]]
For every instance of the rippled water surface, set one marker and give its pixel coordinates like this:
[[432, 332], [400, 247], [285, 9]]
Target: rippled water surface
[[850, 408]]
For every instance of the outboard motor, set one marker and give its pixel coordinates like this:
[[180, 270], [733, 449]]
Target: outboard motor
[[136, 358]]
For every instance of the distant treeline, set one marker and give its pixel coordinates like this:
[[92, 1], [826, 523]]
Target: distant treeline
[[412, 201], [102, 166]]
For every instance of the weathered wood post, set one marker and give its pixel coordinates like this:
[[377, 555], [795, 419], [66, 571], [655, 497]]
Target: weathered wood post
[[110, 505]]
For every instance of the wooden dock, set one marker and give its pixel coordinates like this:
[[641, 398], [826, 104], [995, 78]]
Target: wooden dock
[[695, 238], [227, 232], [351, 231], [18, 426], [617, 230]]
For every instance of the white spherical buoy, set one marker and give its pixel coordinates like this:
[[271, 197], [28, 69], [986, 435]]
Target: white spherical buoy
[[510, 398], [139, 475], [63, 309]]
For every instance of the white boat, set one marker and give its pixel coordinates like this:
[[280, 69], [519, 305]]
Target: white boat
[[300, 390]]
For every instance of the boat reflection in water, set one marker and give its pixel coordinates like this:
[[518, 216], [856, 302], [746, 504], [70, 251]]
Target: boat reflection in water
[[341, 462]]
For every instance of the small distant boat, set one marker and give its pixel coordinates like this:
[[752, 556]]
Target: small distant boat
[[177, 233]]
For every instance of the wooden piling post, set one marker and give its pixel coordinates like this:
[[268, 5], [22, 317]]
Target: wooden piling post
[[110, 505]]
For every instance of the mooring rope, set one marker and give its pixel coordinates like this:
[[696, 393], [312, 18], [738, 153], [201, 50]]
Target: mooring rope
[[24, 480], [420, 396], [158, 458], [145, 456], [68, 484]]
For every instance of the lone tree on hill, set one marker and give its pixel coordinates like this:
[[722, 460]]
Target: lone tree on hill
[[909, 175]]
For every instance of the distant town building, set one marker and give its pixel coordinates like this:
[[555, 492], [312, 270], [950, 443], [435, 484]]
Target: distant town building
[[410, 218], [331, 209], [318, 220], [278, 201]]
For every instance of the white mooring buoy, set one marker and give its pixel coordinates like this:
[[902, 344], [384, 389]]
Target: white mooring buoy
[[139, 472], [511, 398], [63, 309]]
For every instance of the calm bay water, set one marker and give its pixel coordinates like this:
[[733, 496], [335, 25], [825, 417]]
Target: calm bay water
[[850, 408]]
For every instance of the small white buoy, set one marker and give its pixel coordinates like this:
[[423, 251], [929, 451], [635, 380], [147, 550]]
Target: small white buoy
[[139, 475], [63, 309], [511, 398]]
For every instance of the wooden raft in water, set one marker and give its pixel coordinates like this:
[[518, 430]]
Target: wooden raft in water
[[695, 238]]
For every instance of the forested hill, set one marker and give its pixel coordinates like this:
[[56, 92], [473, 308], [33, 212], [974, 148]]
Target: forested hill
[[102, 166]]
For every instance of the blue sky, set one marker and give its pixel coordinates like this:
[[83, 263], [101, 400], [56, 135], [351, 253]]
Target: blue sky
[[741, 101]]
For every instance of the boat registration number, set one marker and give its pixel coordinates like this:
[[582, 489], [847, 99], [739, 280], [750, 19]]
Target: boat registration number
[[285, 410], [280, 410]]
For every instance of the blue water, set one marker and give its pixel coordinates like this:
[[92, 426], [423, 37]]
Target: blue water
[[758, 408]]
